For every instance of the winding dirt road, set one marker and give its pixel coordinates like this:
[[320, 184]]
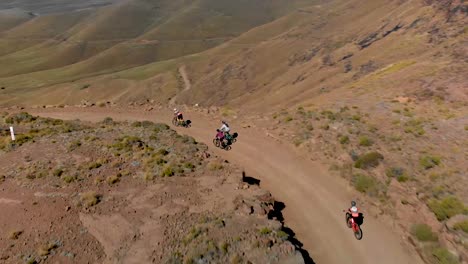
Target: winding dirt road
[[314, 199]]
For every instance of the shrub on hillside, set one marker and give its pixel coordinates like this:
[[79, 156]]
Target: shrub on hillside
[[365, 184], [428, 162], [344, 140], [368, 160], [447, 207], [443, 256], [365, 142], [398, 173], [423, 233], [463, 225]]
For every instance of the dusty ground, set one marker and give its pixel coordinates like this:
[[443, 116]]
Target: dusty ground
[[130, 193]]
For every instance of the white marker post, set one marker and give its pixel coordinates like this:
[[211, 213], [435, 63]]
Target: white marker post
[[12, 132]]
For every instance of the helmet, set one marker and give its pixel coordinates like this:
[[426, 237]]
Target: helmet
[[353, 203], [354, 209], [224, 122]]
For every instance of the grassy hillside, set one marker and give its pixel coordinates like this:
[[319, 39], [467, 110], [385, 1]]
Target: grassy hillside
[[89, 43]]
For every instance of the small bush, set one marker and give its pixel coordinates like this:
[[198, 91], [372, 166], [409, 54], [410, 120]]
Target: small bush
[[344, 140], [282, 235], [463, 225], [45, 249], [398, 173], [108, 121], [15, 234], [288, 119], [163, 152], [89, 199], [68, 179], [428, 162], [443, 256], [265, 231], [94, 165], [364, 183], [215, 166], [423, 233], [365, 142], [113, 179], [368, 160], [74, 145], [58, 172], [446, 208], [167, 172], [224, 247]]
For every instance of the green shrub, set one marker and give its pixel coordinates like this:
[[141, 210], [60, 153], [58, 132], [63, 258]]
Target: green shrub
[[447, 207], [57, 172], [265, 231], [368, 160], [344, 140], [74, 145], [288, 119], [463, 225], [163, 152], [365, 184], [423, 232], [365, 142], [94, 165], [443, 256], [69, 179], [113, 180], [428, 162], [398, 173], [167, 172], [282, 235]]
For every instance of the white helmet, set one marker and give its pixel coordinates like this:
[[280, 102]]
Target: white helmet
[[175, 110], [354, 209]]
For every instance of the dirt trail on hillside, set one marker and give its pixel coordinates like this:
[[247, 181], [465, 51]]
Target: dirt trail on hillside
[[187, 84], [314, 199]]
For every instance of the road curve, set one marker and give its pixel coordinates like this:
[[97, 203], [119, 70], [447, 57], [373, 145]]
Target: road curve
[[314, 199]]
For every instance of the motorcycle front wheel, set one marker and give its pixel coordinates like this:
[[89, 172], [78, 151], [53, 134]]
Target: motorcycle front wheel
[[358, 233]]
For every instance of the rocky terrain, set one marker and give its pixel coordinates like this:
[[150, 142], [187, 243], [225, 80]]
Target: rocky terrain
[[77, 192]]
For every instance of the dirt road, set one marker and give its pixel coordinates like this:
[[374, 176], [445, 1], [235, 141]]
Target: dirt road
[[314, 199]]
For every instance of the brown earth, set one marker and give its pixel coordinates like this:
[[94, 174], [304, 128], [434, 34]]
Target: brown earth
[[314, 199], [96, 193]]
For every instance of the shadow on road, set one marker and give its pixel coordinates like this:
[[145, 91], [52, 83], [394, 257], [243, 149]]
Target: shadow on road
[[250, 180]]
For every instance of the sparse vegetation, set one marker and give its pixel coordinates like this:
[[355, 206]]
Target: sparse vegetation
[[113, 179], [15, 234], [447, 207], [89, 199], [46, 249], [365, 141], [344, 140], [365, 184], [423, 233], [398, 173], [215, 165], [368, 160], [443, 256], [463, 226], [429, 162], [265, 231]]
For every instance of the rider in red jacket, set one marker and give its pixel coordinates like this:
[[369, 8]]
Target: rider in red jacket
[[353, 210]]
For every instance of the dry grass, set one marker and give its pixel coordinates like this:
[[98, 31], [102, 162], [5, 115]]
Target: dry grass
[[89, 199]]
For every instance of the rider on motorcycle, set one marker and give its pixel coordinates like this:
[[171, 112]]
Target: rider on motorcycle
[[353, 211], [179, 115], [225, 128]]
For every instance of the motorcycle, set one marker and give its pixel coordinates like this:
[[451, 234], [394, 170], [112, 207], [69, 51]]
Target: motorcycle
[[351, 223], [183, 123], [226, 143]]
